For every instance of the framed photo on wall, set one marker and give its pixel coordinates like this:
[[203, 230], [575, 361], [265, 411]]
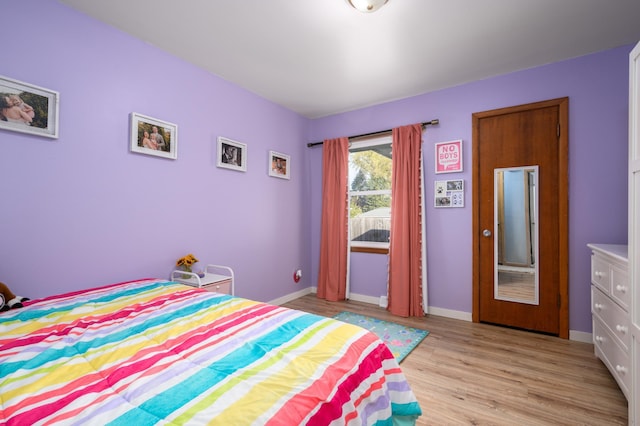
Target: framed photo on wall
[[279, 165], [449, 156], [28, 109], [151, 136], [231, 154], [449, 193]]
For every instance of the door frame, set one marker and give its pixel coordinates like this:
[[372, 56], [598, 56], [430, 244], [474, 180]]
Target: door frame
[[563, 207]]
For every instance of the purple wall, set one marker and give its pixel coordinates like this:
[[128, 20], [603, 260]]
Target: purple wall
[[597, 87], [83, 211]]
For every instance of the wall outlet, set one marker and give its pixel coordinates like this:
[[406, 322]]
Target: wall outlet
[[384, 301]]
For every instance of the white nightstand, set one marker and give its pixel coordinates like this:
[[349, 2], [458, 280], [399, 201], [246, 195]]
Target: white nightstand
[[217, 279]]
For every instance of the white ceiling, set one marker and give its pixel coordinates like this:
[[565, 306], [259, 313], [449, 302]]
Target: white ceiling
[[322, 57]]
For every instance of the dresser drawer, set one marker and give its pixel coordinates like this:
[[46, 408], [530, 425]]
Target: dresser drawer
[[219, 287], [614, 357], [612, 315], [620, 290], [600, 272]]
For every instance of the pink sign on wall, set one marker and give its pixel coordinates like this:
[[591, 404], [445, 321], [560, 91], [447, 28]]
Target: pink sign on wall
[[449, 156]]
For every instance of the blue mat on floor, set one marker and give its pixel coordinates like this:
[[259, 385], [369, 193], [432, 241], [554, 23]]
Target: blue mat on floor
[[400, 339]]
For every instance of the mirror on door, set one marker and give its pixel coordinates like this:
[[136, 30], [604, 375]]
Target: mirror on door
[[516, 234]]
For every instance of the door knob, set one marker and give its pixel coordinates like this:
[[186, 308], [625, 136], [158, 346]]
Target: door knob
[[486, 233]]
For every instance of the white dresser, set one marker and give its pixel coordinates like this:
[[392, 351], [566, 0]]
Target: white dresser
[[610, 299], [634, 231]]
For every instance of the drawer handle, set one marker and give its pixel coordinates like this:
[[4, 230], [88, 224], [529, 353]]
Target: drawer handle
[[598, 274], [621, 288], [620, 369], [622, 328], [599, 339], [598, 306]]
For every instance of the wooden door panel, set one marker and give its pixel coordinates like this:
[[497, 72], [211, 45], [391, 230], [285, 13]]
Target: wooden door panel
[[526, 135]]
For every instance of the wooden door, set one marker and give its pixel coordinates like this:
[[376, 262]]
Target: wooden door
[[526, 135]]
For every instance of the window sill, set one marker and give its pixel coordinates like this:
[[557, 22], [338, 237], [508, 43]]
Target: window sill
[[375, 250]]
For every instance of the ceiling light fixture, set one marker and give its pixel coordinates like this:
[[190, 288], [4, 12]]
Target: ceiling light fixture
[[367, 6]]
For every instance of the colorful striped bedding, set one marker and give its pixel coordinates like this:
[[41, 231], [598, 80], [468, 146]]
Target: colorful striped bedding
[[157, 352]]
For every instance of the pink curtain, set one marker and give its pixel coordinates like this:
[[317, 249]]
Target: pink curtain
[[405, 245], [332, 274]]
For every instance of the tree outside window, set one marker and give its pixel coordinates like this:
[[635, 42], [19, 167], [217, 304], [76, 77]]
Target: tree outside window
[[370, 193]]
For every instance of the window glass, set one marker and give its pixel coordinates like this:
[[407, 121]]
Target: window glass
[[370, 192]]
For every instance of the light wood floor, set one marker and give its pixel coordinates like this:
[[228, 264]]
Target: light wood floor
[[467, 373]]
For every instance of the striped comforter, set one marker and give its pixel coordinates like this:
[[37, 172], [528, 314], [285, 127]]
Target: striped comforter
[[157, 352]]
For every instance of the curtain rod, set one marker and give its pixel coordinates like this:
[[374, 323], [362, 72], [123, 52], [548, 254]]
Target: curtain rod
[[433, 122]]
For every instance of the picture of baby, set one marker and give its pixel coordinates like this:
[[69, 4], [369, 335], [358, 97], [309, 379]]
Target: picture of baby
[[13, 109], [28, 109]]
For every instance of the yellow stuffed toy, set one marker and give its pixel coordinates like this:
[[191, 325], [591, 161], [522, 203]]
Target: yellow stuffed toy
[[8, 300]]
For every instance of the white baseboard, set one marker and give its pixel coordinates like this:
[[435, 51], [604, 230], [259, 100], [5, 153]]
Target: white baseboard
[[449, 313], [578, 336], [365, 299], [355, 296], [292, 296]]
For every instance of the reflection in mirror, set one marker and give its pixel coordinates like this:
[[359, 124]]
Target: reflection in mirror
[[516, 234]]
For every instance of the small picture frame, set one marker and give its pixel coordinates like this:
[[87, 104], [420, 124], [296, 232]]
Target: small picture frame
[[449, 193], [279, 165], [449, 156], [232, 155], [28, 109], [151, 136]]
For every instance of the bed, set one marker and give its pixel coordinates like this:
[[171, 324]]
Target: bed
[[159, 352]]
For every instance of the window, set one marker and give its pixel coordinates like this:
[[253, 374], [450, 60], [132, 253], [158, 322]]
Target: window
[[370, 194]]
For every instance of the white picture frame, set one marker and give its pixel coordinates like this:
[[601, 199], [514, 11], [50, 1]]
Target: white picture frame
[[151, 136], [27, 108], [448, 193], [448, 157], [279, 165], [231, 154]]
